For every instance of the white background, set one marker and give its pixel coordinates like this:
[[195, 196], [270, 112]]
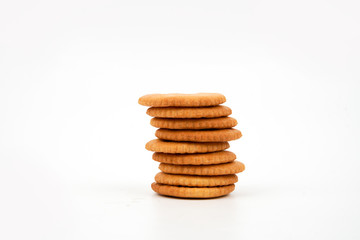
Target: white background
[[72, 135]]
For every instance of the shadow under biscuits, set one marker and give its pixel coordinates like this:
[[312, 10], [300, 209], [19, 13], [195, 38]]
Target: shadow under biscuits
[[184, 198]]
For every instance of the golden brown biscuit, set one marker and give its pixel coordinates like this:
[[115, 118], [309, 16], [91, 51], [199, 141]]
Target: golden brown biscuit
[[195, 181], [194, 123], [158, 145], [192, 192], [210, 170], [195, 159], [182, 100], [219, 135], [189, 112]]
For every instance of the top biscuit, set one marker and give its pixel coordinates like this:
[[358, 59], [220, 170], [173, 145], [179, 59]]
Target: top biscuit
[[182, 100]]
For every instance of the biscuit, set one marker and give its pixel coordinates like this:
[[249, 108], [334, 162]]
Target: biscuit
[[158, 145], [181, 112], [220, 135], [182, 100], [192, 192], [195, 181], [195, 159], [194, 123], [210, 170]]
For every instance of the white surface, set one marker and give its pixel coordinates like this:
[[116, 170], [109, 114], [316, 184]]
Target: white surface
[[72, 157]]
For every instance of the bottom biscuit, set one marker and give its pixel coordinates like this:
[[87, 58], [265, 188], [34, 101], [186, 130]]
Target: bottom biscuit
[[192, 192]]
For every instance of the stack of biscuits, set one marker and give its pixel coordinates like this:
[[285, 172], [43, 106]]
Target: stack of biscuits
[[194, 130]]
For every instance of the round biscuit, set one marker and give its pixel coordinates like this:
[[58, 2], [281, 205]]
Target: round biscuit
[[158, 145], [192, 192], [194, 123], [195, 159], [218, 135], [208, 170], [182, 100], [195, 181], [189, 112]]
